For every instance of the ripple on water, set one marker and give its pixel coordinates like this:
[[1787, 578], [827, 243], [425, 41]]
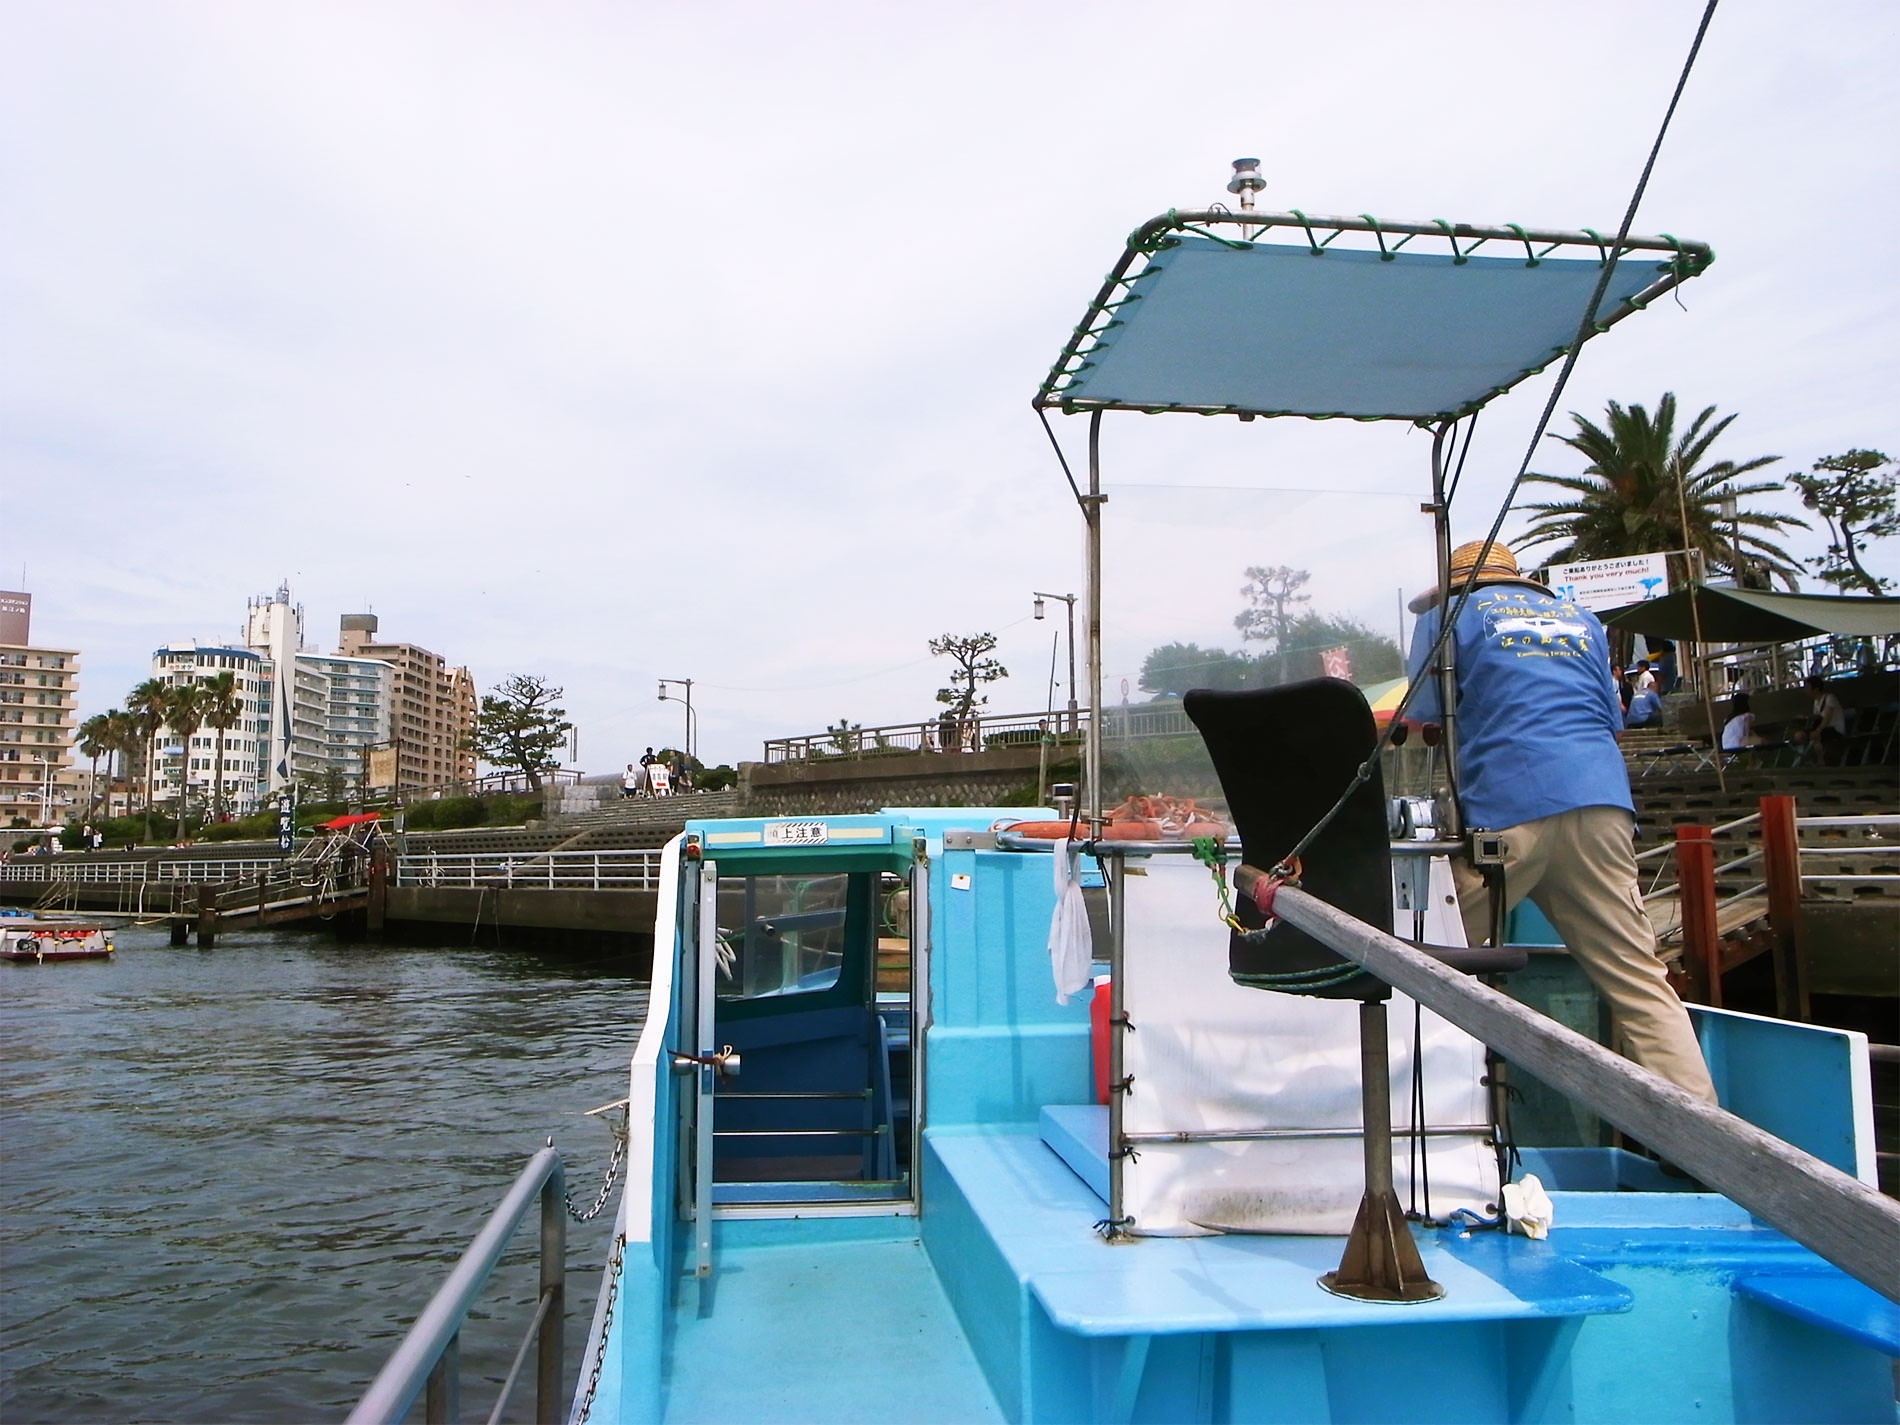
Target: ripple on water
[[233, 1177]]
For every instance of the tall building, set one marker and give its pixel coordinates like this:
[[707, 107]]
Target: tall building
[[432, 707], [340, 711], [193, 662], [39, 699]]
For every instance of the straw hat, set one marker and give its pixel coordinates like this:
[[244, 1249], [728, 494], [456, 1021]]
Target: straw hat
[[1499, 566]]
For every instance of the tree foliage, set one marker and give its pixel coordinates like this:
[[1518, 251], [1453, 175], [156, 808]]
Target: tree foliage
[[972, 667], [1299, 653], [519, 727], [1175, 668], [1857, 500], [1641, 479]]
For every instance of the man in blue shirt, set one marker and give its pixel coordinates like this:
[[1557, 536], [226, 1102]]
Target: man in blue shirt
[[1536, 729], [1645, 708]]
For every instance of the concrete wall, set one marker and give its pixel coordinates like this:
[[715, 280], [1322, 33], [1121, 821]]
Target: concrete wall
[[837, 785]]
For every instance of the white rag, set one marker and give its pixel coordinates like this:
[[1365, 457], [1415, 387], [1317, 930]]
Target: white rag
[[1071, 948], [1528, 1206]]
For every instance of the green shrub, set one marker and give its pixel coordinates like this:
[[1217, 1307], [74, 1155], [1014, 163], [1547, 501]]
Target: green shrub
[[453, 812]]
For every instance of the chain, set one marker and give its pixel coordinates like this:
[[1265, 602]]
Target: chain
[[607, 1183], [606, 1330]]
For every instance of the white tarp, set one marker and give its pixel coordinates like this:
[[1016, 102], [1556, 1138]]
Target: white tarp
[[1205, 1053]]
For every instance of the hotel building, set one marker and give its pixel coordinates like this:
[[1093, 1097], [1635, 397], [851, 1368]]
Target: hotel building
[[39, 699]]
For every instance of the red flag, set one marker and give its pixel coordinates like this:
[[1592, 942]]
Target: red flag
[[1337, 662]]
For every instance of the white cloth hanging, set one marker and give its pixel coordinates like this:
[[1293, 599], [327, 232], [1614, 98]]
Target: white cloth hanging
[[1071, 949]]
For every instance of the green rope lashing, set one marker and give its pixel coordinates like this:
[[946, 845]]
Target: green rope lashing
[[1312, 247], [1325, 977], [1458, 259], [1211, 854], [1385, 254], [1530, 256]]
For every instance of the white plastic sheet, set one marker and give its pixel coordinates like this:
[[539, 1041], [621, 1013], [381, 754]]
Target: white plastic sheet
[[1070, 951], [1205, 1053]]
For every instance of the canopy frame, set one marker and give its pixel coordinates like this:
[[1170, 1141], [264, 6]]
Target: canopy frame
[[1319, 233]]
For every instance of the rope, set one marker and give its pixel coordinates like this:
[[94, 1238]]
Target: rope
[[1585, 329]]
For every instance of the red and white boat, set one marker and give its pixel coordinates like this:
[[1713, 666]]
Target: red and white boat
[[39, 940]]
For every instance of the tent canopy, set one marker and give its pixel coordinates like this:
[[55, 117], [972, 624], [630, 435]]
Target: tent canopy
[[1751, 616], [1192, 320], [337, 823]]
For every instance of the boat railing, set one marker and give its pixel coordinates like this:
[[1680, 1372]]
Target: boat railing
[[607, 870], [429, 1357]]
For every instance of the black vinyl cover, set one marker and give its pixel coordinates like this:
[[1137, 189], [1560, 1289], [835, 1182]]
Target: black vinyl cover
[[1283, 756]]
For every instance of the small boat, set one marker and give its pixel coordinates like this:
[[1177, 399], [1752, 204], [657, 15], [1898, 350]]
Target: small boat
[[885, 1157], [40, 940]]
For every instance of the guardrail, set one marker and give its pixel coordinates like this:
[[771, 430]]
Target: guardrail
[[622, 870], [80, 869], [430, 1354], [1848, 823]]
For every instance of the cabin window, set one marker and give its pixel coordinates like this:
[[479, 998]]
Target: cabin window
[[781, 935]]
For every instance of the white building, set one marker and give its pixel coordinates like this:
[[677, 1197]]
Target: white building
[[320, 720], [193, 662]]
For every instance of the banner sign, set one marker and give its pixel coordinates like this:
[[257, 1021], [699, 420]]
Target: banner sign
[[16, 618], [286, 823], [1602, 584]]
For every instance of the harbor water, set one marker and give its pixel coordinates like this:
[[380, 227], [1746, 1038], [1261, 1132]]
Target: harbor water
[[233, 1177]]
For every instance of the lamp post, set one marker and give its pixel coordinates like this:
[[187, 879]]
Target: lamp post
[[1075, 715], [666, 697]]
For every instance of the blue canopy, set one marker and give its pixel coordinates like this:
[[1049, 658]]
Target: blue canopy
[[1256, 329]]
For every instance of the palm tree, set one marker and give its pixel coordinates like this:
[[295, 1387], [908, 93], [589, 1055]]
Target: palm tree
[[222, 710], [122, 738], [147, 705], [1642, 485], [95, 741], [185, 708]]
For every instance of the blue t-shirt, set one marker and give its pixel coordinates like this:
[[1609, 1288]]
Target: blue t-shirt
[[1645, 708], [1537, 711]]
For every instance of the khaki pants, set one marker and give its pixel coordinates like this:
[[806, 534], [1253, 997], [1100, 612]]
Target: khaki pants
[[1579, 868]]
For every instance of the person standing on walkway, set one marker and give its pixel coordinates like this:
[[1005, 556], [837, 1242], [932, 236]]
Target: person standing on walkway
[[1539, 766]]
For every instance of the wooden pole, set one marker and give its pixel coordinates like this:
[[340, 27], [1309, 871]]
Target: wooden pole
[[1695, 904], [207, 916], [1781, 869]]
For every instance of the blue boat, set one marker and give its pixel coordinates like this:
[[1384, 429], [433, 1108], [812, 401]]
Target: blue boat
[[878, 1168]]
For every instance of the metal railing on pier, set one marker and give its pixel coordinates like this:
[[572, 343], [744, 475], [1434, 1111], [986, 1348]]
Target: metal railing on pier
[[607, 870], [81, 870], [429, 1355]]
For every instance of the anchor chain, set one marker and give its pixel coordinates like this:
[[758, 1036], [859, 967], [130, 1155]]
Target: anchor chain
[[614, 1161], [606, 1331]]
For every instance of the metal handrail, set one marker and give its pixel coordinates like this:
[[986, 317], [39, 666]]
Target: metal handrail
[[1669, 846], [622, 869], [428, 1355]]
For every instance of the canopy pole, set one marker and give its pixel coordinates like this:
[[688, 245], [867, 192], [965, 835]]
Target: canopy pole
[[1446, 667], [1092, 513]]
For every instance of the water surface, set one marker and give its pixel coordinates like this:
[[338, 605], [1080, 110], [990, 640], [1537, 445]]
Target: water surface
[[232, 1177]]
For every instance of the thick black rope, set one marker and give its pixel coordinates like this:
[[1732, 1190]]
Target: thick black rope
[[1449, 619]]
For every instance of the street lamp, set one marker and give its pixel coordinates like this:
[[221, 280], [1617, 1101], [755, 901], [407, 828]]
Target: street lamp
[[1075, 716], [666, 697]]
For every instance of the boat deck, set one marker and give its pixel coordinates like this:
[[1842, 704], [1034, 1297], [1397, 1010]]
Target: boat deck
[[897, 1355]]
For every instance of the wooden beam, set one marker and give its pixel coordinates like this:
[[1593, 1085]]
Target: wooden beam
[[1835, 1216]]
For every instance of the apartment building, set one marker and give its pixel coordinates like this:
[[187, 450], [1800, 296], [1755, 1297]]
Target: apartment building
[[432, 706], [244, 741], [39, 699]]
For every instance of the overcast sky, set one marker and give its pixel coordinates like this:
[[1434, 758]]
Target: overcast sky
[[612, 342]]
